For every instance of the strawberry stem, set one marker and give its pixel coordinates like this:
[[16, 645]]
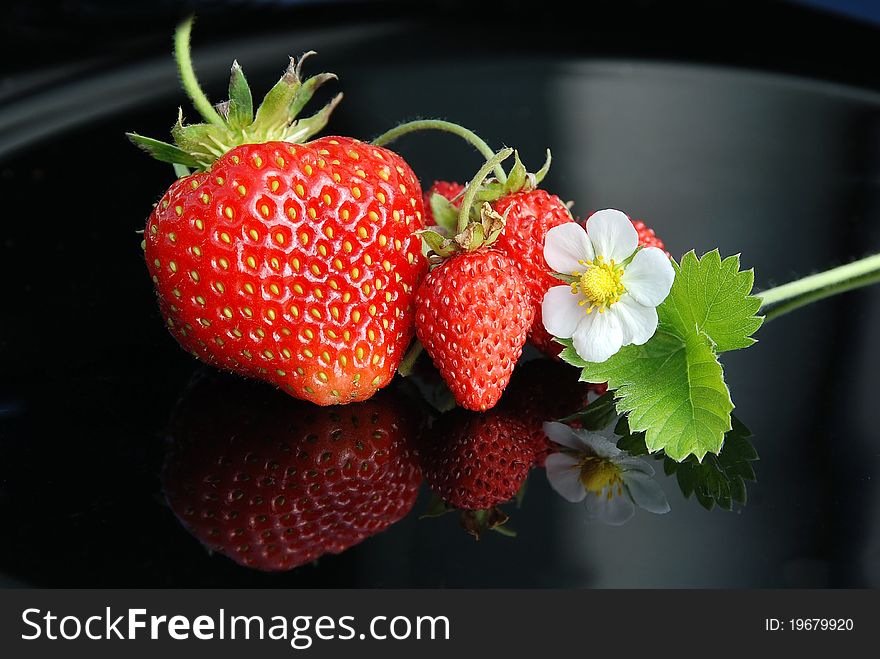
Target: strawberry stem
[[410, 358], [188, 75], [448, 127], [474, 186], [796, 294]]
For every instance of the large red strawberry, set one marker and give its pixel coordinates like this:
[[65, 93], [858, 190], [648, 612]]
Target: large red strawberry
[[294, 263], [476, 461], [274, 483]]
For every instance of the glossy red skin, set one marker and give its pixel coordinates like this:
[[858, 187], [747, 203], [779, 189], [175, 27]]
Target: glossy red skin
[[476, 461], [530, 215], [473, 313], [545, 390], [300, 286], [274, 483]]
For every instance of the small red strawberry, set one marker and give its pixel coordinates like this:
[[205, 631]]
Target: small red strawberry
[[529, 212], [473, 311], [472, 317], [476, 461], [275, 483], [294, 263], [545, 390]]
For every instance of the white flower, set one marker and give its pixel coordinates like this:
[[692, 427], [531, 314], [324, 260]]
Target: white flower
[[592, 469], [621, 285]]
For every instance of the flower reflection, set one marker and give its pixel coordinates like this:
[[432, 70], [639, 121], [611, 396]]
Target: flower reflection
[[274, 483], [611, 482]]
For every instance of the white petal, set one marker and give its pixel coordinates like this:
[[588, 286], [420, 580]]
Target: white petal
[[637, 322], [565, 245], [600, 446], [566, 435], [615, 511], [631, 464], [612, 234], [649, 276], [598, 336], [561, 312], [564, 476], [646, 492]]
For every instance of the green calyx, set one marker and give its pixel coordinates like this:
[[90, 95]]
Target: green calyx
[[475, 224], [519, 179], [478, 233], [475, 522], [234, 122]]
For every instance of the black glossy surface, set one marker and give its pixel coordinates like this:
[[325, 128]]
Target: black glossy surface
[[781, 169]]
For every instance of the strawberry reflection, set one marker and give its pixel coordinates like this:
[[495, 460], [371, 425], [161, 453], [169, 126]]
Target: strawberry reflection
[[476, 462], [274, 483], [473, 462], [541, 390]]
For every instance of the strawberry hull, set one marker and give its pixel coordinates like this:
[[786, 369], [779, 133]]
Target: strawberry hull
[[296, 264]]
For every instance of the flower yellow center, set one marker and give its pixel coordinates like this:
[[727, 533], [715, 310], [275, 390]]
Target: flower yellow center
[[599, 473], [600, 283]]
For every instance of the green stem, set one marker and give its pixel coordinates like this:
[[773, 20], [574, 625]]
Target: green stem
[[188, 75], [474, 186], [448, 127], [796, 294], [410, 358]]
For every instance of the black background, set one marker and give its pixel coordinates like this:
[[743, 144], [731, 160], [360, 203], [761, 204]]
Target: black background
[[748, 126]]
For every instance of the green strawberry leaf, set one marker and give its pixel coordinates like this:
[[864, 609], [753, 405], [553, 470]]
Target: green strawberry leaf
[[631, 442], [713, 296], [516, 179], [719, 479], [596, 415], [672, 388], [437, 242]]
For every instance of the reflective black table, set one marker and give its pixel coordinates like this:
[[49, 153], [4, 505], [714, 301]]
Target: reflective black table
[[782, 169]]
